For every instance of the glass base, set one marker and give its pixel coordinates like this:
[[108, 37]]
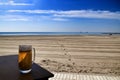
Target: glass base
[[25, 71]]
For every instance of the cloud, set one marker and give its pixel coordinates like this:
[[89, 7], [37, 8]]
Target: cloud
[[89, 14], [12, 3], [60, 19], [59, 15], [35, 11], [14, 18], [73, 13]]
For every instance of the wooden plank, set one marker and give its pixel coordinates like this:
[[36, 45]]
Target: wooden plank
[[101, 77], [118, 77], [114, 78], [87, 77], [110, 78], [71, 76], [98, 77], [55, 76], [64, 76], [75, 76], [91, 78], [58, 76]]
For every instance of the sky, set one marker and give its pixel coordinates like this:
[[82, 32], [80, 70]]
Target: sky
[[59, 15]]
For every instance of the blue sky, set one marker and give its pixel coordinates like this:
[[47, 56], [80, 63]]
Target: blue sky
[[59, 15]]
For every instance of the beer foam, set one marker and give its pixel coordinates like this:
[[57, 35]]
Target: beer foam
[[25, 47]]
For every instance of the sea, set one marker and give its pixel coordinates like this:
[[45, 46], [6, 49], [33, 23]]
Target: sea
[[52, 33]]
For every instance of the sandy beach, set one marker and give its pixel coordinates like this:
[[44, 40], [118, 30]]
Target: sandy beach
[[77, 54]]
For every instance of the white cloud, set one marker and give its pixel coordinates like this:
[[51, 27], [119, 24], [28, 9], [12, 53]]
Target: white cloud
[[14, 18], [58, 15], [89, 14], [12, 3], [35, 11], [73, 13], [60, 19]]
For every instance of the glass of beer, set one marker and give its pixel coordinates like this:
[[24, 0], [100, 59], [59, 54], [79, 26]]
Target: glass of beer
[[25, 58]]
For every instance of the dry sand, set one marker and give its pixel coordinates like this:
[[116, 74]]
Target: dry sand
[[78, 54]]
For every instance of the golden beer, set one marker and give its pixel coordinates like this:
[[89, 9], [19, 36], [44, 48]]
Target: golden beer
[[25, 58]]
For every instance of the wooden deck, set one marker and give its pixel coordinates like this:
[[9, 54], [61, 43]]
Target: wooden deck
[[75, 76]]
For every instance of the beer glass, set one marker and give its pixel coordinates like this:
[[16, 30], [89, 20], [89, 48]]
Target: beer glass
[[25, 58]]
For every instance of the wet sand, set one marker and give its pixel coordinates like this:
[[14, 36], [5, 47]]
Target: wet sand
[[77, 54]]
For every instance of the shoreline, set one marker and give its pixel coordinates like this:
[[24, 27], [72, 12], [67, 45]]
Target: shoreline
[[57, 33]]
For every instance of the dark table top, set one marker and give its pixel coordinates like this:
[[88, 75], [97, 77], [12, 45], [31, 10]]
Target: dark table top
[[9, 70]]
